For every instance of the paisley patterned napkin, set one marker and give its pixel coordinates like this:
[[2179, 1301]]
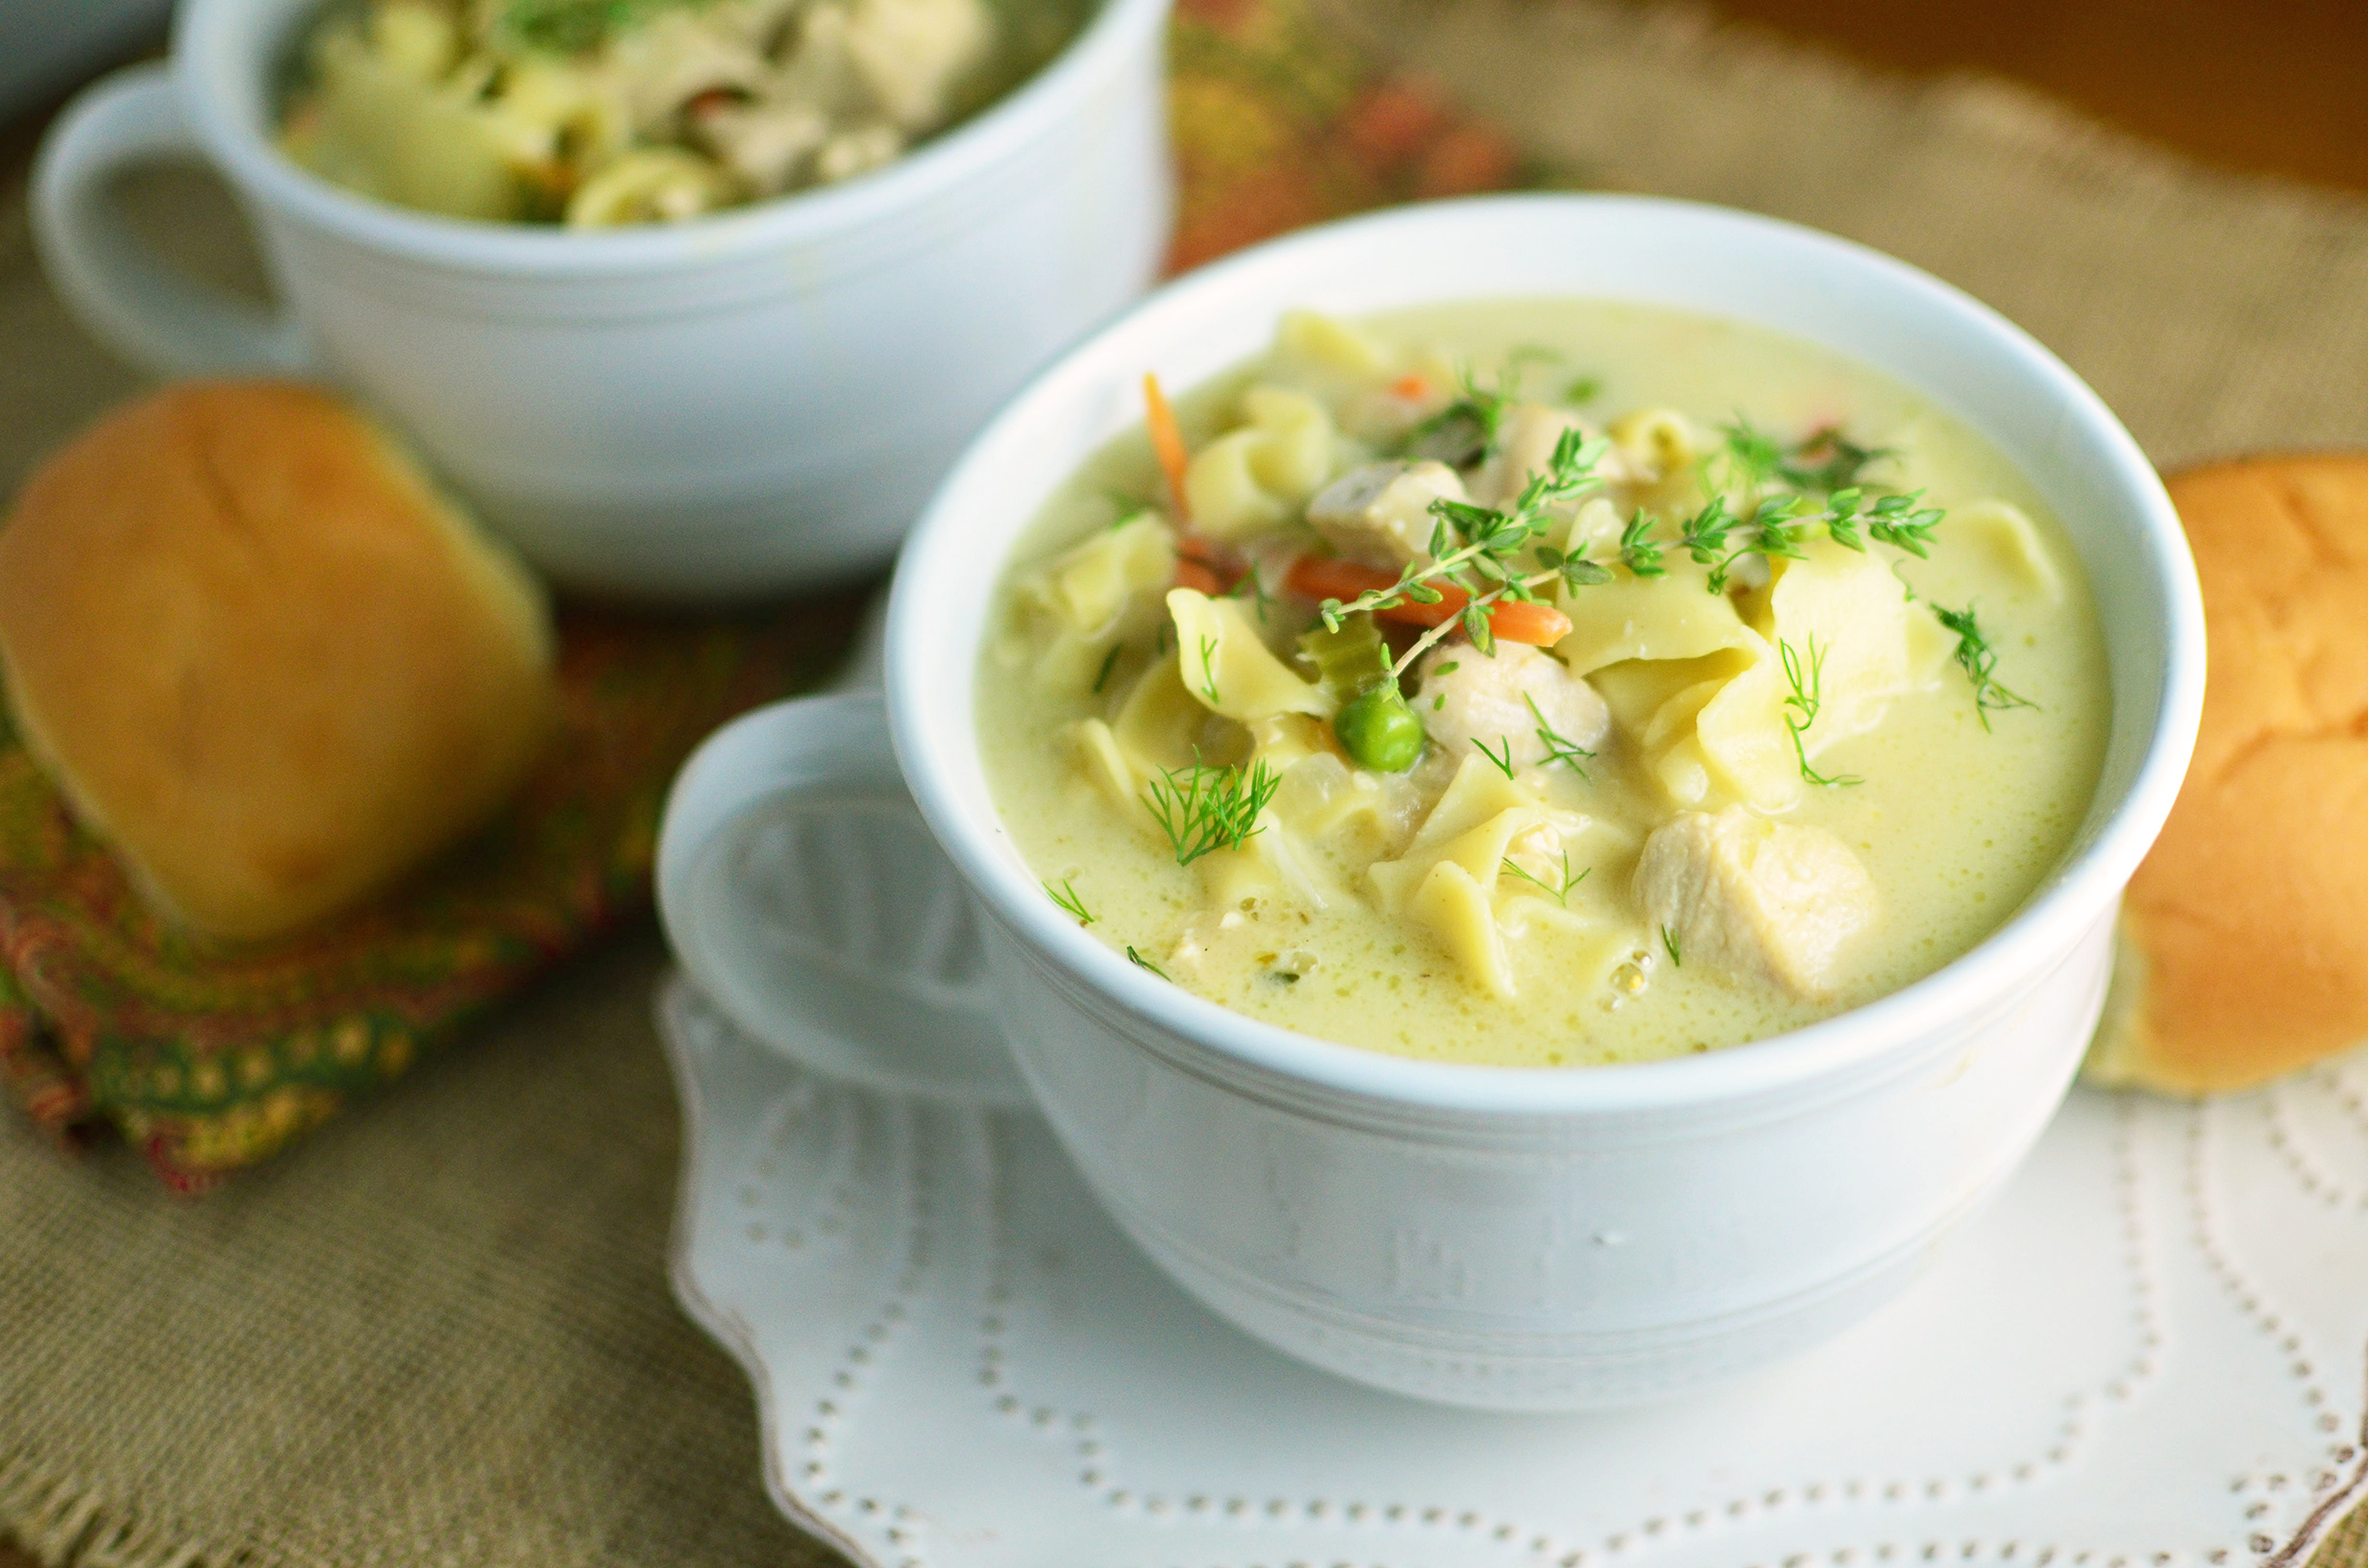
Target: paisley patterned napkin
[[209, 1060]]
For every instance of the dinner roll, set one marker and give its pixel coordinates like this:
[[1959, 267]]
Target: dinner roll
[[2245, 933], [261, 656]]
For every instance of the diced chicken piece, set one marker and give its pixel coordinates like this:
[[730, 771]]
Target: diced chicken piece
[[1752, 898], [1469, 697], [1380, 515], [672, 59], [767, 144], [1525, 444]]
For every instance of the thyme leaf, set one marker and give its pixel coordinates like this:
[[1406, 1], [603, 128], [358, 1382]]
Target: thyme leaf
[[1638, 551]]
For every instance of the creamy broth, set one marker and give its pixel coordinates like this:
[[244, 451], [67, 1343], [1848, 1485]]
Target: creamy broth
[[1921, 819]]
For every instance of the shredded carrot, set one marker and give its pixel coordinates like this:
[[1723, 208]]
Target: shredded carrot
[[1515, 620], [1167, 440], [1412, 386], [1197, 576]]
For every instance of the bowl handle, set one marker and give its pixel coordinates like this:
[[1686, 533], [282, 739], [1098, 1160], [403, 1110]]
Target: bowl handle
[[805, 897], [148, 311]]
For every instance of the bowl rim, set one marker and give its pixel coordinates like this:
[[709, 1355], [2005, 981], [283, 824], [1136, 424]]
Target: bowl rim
[[219, 85], [2030, 942]]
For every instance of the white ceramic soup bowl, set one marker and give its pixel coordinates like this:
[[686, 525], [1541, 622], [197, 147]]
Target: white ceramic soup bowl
[[721, 409], [1517, 1239]]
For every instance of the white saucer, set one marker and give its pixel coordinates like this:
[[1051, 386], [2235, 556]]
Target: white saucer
[[2148, 1356]]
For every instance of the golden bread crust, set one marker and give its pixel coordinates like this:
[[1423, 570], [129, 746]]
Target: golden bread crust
[[2252, 909], [262, 656]]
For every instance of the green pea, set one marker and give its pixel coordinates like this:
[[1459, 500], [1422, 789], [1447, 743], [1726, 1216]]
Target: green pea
[[1379, 731]]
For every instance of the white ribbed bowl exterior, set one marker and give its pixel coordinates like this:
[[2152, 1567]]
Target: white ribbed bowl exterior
[[1548, 1261]]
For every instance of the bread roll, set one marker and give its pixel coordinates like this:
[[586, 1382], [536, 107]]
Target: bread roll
[[261, 656], [2245, 933]]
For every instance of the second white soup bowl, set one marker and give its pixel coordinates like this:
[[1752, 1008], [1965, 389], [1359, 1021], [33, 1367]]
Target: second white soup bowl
[[717, 409], [1517, 1239]]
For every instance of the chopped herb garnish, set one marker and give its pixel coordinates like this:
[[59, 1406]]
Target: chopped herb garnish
[[1807, 678], [1251, 585], [575, 26], [1759, 454], [1824, 462], [1502, 757], [1466, 430], [1559, 894], [1142, 962], [1558, 747], [1980, 662], [1067, 897], [1202, 808], [1669, 944], [1208, 670], [1101, 678], [1586, 389], [1828, 461]]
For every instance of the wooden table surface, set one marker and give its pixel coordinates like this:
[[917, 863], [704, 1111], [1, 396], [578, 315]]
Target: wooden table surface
[[2274, 87]]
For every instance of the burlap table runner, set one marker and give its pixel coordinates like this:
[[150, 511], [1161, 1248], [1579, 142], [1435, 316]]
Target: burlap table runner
[[440, 1332]]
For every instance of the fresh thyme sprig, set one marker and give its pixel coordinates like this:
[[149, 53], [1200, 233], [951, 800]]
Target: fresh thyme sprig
[[1639, 552], [1980, 662], [1203, 809], [1807, 678], [1558, 747], [1718, 538], [1067, 897], [1477, 548], [1560, 895]]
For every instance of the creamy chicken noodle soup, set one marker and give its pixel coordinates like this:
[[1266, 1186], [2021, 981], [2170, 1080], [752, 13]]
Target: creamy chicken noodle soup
[[1538, 683], [598, 112]]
